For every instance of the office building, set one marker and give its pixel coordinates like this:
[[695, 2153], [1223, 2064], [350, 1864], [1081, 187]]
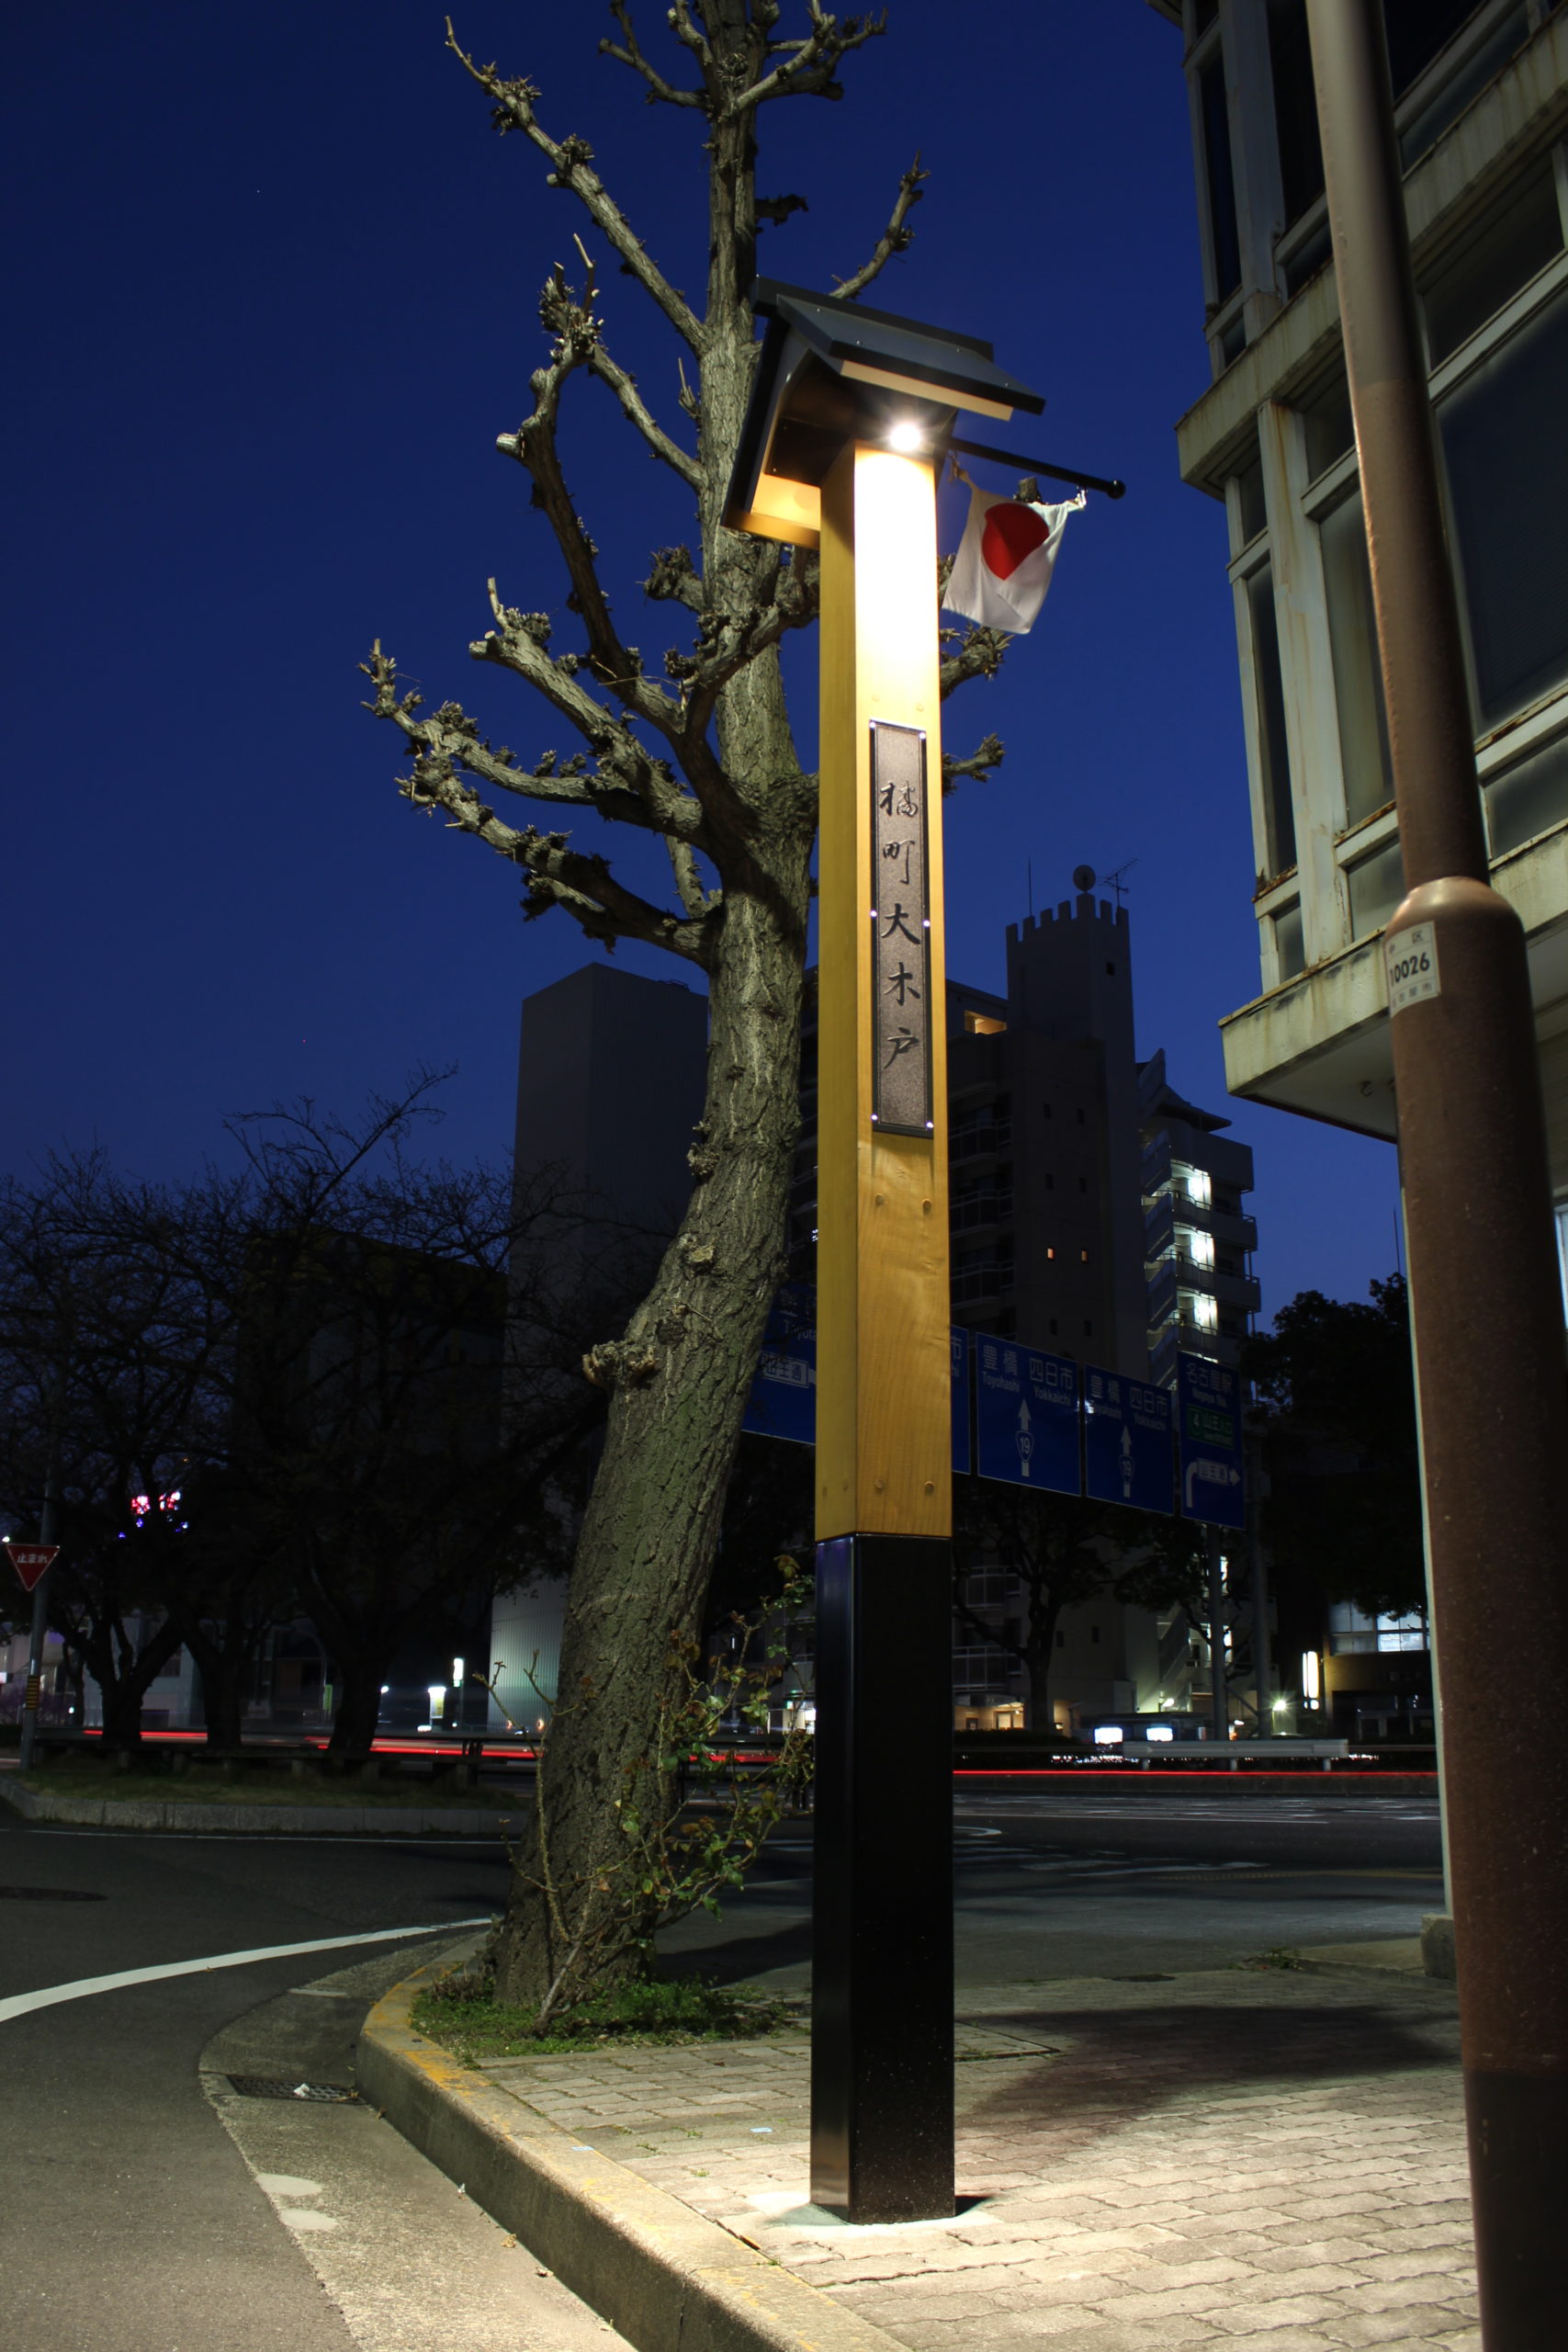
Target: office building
[[1482, 110]]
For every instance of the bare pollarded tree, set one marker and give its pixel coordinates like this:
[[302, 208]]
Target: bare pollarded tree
[[706, 759]]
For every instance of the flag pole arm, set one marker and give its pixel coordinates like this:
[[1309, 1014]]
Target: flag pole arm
[[1057, 473]]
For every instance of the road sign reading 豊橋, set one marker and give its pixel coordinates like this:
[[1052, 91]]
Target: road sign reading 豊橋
[[962, 1451], [1208, 1404], [1127, 1433], [1026, 1417], [782, 1402]]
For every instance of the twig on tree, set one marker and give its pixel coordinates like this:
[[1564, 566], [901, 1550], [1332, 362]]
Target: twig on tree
[[570, 159], [632, 56], [897, 238], [988, 756]]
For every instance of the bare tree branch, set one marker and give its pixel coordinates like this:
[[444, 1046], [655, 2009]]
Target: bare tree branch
[[980, 655], [632, 56], [580, 882], [689, 882], [897, 238], [626, 784], [611, 372], [569, 160], [988, 756], [809, 65]]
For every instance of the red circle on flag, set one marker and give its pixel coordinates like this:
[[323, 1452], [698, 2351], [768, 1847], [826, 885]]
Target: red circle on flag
[[1010, 532]]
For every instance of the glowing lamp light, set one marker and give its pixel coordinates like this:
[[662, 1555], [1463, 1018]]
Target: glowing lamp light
[[1108, 1735], [906, 436], [1312, 1685], [437, 1693]]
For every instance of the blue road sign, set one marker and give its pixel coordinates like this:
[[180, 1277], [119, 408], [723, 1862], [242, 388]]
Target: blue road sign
[[962, 1451], [1208, 1403], [782, 1402], [1026, 1416], [1127, 1434]]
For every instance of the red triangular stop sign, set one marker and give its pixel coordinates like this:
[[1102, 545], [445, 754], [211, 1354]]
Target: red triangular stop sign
[[30, 1560]]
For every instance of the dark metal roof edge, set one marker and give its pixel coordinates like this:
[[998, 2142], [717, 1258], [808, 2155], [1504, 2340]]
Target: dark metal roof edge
[[766, 291]]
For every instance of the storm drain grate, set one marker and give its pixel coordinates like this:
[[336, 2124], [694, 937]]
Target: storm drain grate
[[278, 2086], [47, 1895]]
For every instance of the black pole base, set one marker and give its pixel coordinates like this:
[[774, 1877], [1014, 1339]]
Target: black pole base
[[882, 1936]]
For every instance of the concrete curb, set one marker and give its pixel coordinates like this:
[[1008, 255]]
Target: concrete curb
[[330, 1821], [668, 2280]]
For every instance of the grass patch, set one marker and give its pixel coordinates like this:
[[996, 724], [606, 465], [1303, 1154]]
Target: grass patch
[[1276, 1956], [94, 1776], [461, 2013]]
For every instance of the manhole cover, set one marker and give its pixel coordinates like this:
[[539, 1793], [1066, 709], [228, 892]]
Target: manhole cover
[[47, 1895], [279, 2087]]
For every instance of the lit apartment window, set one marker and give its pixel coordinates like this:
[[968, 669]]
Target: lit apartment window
[[982, 1025]]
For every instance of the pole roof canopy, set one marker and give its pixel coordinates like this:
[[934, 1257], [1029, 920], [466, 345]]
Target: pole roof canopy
[[831, 371]]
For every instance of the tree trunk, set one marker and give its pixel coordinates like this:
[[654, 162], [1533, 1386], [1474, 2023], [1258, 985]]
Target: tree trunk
[[359, 1707], [1039, 1656]]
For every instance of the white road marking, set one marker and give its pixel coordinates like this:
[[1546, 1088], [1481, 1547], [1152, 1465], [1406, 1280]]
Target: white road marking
[[287, 2184], [19, 2004]]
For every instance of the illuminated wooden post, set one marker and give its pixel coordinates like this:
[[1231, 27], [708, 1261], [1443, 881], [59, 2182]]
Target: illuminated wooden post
[[882, 1975], [847, 423]]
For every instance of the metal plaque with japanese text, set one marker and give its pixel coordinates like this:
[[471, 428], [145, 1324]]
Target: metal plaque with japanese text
[[901, 1011]]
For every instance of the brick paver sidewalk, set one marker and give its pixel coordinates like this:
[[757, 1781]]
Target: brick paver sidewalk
[[1268, 2160]]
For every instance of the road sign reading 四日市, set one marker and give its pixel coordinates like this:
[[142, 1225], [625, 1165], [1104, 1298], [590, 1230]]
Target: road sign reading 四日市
[[963, 1452], [1026, 1417], [1127, 1434], [782, 1402], [30, 1561], [1208, 1428]]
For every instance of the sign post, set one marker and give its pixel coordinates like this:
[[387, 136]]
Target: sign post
[[32, 1562], [850, 417]]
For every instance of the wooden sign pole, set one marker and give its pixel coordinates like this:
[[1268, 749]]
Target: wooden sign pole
[[882, 1981]]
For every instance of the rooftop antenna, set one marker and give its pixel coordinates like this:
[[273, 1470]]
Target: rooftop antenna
[[1116, 882]]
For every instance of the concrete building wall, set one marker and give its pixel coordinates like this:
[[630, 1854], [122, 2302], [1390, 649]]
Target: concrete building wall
[[1481, 106]]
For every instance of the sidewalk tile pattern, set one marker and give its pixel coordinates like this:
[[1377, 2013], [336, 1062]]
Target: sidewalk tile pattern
[[1264, 2161]]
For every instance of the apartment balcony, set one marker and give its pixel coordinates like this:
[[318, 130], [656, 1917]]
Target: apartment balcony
[[981, 1208], [1161, 1289], [1240, 1291], [991, 1279], [975, 1139]]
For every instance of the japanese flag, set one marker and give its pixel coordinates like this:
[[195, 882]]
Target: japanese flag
[[1005, 561]]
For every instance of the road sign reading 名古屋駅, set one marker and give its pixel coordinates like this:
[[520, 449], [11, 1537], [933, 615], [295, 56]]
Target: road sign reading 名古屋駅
[[1127, 1434], [1209, 1426], [782, 1402], [1026, 1416]]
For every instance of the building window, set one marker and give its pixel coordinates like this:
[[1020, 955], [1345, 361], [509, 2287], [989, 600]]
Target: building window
[[1507, 468], [1295, 107], [1224, 244], [1508, 246], [1330, 429], [1376, 887], [1528, 797], [982, 1025], [1357, 681], [1278, 819], [1252, 514], [1289, 948]]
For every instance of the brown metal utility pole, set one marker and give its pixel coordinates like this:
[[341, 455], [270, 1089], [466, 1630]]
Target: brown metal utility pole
[[1483, 1279]]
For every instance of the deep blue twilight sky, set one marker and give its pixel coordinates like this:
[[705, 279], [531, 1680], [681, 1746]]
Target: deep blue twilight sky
[[272, 296]]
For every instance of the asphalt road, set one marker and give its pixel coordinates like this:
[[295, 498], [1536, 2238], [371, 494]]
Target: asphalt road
[[145, 2207], [1090, 1883]]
